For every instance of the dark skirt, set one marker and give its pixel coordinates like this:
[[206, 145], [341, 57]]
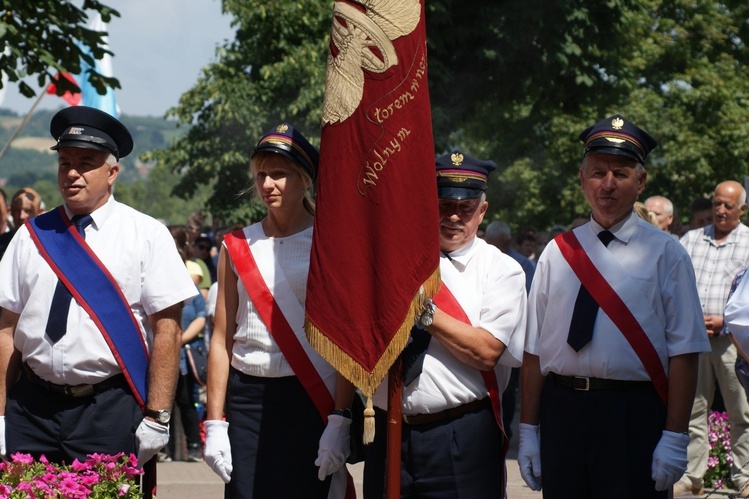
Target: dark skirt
[[274, 430]]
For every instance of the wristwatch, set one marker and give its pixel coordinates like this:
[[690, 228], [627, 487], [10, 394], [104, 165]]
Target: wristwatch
[[162, 416], [427, 315], [346, 413]]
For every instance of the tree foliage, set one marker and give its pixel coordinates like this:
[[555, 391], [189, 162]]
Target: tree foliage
[[40, 39], [515, 81], [274, 70]]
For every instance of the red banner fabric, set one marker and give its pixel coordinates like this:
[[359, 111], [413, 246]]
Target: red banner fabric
[[376, 235], [71, 98]]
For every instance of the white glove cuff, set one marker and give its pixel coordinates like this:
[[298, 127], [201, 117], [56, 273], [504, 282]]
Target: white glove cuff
[[216, 423]]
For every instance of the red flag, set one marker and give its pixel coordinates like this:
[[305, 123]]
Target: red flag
[[376, 235], [71, 98]]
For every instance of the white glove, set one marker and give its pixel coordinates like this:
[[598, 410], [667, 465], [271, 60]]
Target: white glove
[[150, 438], [217, 451], [335, 446], [3, 450], [669, 459], [529, 455]]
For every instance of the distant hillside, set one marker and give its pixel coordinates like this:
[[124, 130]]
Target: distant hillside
[[29, 159]]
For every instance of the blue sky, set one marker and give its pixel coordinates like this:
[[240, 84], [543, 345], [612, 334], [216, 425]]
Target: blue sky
[[159, 48]]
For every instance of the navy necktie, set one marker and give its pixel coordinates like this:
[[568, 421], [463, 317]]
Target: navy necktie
[[586, 309], [414, 353], [57, 321]]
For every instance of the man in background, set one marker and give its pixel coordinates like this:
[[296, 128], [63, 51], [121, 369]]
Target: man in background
[[26, 203], [663, 209], [718, 251]]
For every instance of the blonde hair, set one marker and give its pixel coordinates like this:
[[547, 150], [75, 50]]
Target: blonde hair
[[260, 158], [645, 214]]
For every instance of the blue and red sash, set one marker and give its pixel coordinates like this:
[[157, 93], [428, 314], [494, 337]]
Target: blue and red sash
[[94, 288]]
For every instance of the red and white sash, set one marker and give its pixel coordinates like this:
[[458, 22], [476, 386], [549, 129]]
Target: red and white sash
[[448, 303], [619, 296], [283, 315]]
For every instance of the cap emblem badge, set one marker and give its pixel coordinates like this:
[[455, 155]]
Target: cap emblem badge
[[617, 123], [75, 131], [456, 158], [282, 128]]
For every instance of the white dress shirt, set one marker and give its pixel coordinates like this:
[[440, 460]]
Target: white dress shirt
[[660, 270], [140, 254]]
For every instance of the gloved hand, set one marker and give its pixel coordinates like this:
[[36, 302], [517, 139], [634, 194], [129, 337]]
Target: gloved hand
[[217, 452], [150, 438], [669, 459], [335, 446], [3, 450], [529, 455]]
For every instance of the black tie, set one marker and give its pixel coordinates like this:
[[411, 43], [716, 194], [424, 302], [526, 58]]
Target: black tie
[[414, 353], [586, 309], [57, 322]]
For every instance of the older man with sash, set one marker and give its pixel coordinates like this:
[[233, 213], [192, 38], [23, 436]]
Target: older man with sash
[[91, 300], [614, 330], [458, 362]]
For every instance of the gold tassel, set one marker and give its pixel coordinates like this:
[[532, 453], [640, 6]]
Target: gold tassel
[[369, 422]]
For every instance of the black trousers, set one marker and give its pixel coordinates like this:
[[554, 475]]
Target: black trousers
[[274, 430], [599, 443], [64, 428], [454, 458]]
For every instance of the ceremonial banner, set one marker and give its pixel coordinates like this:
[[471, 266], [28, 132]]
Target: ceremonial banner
[[375, 250]]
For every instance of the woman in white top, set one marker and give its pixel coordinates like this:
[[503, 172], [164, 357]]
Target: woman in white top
[[261, 376]]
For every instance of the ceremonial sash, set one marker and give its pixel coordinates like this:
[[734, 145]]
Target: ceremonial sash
[[615, 308], [300, 356], [447, 302], [94, 288]]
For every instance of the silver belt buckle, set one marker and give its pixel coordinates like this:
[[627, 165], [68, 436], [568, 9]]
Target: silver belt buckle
[[586, 388]]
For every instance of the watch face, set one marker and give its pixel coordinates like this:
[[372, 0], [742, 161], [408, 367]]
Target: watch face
[[164, 416]]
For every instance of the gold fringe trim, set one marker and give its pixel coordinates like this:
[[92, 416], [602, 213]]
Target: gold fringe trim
[[364, 380]]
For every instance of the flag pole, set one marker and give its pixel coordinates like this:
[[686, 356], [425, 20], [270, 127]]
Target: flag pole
[[42, 93], [394, 429]]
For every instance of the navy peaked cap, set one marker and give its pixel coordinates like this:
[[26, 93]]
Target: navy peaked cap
[[460, 176], [286, 140], [619, 136], [90, 128]]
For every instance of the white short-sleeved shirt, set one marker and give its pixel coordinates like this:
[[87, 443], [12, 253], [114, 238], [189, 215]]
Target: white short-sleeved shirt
[[255, 351], [140, 254], [490, 287], [663, 271]]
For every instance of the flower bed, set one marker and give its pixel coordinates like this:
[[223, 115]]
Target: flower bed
[[719, 461], [100, 476]]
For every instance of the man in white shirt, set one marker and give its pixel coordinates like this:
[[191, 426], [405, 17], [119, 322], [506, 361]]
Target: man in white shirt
[[462, 351], [614, 329], [91, 301]]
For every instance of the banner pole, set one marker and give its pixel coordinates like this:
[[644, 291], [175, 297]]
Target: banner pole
[[394, 429], [23, 122]]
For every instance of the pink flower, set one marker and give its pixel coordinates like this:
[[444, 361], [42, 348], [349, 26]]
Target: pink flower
[[124, 488], [22, 458]]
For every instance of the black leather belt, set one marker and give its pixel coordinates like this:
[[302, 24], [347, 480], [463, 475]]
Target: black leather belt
[[75, 391], [451, 413], [584, 384]]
